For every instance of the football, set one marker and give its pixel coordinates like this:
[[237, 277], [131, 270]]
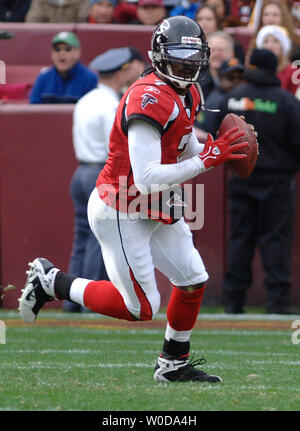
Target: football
[[243, 167]]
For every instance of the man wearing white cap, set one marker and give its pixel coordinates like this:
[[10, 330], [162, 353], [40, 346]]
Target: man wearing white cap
[[276, 39]]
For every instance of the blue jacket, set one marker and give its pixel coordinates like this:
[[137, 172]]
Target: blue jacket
[[186, 10], [51, 87]]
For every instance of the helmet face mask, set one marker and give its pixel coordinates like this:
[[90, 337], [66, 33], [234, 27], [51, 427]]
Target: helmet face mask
[[179, 51]]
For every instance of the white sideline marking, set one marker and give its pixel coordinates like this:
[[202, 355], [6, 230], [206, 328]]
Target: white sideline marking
[[270, 362], [62, 365], [151, 352], [201, 316], [56, 365], [222, 332], [231, 352]]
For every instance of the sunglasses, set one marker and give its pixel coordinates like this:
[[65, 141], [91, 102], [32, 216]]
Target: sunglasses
[[234, 77], [60, 48]]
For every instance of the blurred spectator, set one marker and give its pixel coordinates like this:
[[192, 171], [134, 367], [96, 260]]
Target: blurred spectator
[[295, 11], [224, 13], [67, 80], [276, 39], [221, 48], [101, 11], [14, 10], [12, 91], [125, 12], [277, 13], [137, 65], [221, 7], [207, 17], [230, 75], [245, 9], [150, 12], [262, 206], [6, 34], [187, 8], [92, 122], [64, 11]]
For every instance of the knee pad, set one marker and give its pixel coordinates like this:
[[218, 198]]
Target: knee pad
[[196, 273]]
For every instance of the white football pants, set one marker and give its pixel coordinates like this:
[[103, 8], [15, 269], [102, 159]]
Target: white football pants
[[133, 247]]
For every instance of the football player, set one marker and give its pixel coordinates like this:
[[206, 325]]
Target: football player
[[152, 147]]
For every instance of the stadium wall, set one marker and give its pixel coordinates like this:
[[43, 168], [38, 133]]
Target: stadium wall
[[37, 163]]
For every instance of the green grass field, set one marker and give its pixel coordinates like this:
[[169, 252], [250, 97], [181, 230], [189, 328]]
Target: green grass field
[[55, 366]]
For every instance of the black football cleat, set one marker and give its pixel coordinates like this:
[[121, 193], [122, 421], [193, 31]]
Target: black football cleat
[[39, 288], [182, 370]]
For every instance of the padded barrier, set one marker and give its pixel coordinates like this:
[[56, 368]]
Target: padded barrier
[[36, 165], [15, 92], [31, 44], [36, 156], [22, 74], [97, 38]]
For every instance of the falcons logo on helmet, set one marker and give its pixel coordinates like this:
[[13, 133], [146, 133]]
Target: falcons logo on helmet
[[148, 98]]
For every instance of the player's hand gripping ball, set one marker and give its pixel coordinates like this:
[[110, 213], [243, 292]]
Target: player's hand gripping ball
[[241, 167]]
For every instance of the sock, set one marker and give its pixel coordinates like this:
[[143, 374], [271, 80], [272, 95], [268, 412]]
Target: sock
[[182, 312], [173, 349], [103, 298], [62, 285], [183, 308], [177, 335]]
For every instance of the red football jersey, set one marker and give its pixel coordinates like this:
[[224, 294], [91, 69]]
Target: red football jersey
[[152, 100]]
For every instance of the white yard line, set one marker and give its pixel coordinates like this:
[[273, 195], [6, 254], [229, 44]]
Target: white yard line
[[133, 352], [102, 331], [202, 316], [63, 365]]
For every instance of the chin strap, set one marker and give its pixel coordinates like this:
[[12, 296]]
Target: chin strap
[[202, 106]]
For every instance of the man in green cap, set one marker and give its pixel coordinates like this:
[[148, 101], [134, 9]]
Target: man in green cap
[[68, 79]]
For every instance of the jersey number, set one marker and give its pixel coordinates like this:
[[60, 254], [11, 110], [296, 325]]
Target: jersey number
[[182, 145]]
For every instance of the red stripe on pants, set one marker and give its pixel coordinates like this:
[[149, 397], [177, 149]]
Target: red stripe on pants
[[146, 310]]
